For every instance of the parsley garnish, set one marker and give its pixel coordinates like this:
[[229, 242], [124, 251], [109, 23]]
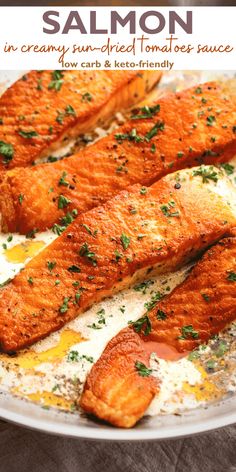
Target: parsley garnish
[[7, 151], [74, 356], [142, 287], [143, 190], [74, 268], [86, 97], [142, 325], [207, 173], [21, 198], [57, 80], [188, 332], [154, 299], [85, 252], [145, 112], [161, 315], [231, 276], [125, 241], [62, 180], [101, 321], [63, 202], [159, 126], [70, 110], [51, 265], [27, 134], [210, 120], [64, 307], [89, 231], [65, 221], [132, 136], [228, 168], [167, 209], [142, 369], [118, 255]]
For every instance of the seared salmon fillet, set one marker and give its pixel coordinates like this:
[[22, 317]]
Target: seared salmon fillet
[[120, 387], [181, 130], [141, 231], [43, 109]]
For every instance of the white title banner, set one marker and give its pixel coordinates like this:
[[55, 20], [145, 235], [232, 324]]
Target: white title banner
[[118, 38]]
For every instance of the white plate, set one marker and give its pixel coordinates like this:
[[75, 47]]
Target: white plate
[[30, 415], [196, 421]]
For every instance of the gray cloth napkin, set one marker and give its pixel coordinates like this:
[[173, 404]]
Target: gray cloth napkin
[[22, 450]]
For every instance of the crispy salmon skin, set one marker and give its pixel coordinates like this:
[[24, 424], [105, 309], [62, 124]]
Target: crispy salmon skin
[[44, 108], [181, 130], [119, 388], [141, 231]]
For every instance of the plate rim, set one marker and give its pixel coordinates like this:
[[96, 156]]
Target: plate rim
[[110, 433]]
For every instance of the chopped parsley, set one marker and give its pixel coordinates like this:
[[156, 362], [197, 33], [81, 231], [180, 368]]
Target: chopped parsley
[[161, 315], [62, 180], [57, 80], [153, 148], [125, 241], [21, 198], [132, 136], [65, 221], [198, 90], [154, 299], [205, 297], [101, 321], [210, 120], [89, 231], [90, 255], [86, 97], [27, 134], [118, 255], [228, 168], [70, 110], [188, 332], [159, 126], [221, 348], [63, 202], [142, 325], [167, 209], [74, 356], [51, 265], [207, 173], [64, 307], [75, 269], [7, 151], [145, 112], [231, 276], [30, 280], [143, 190], [142, 287], [193, 355], [142, 369]]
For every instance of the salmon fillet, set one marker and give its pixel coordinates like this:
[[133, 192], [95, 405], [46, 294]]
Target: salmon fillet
[[184, 129], [119, 388], [44, 108], [141, 231]]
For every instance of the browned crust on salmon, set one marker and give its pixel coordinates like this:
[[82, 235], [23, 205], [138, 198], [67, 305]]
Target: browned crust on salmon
[[192, 127], [44, 107], [205, 302], [141, 231]]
